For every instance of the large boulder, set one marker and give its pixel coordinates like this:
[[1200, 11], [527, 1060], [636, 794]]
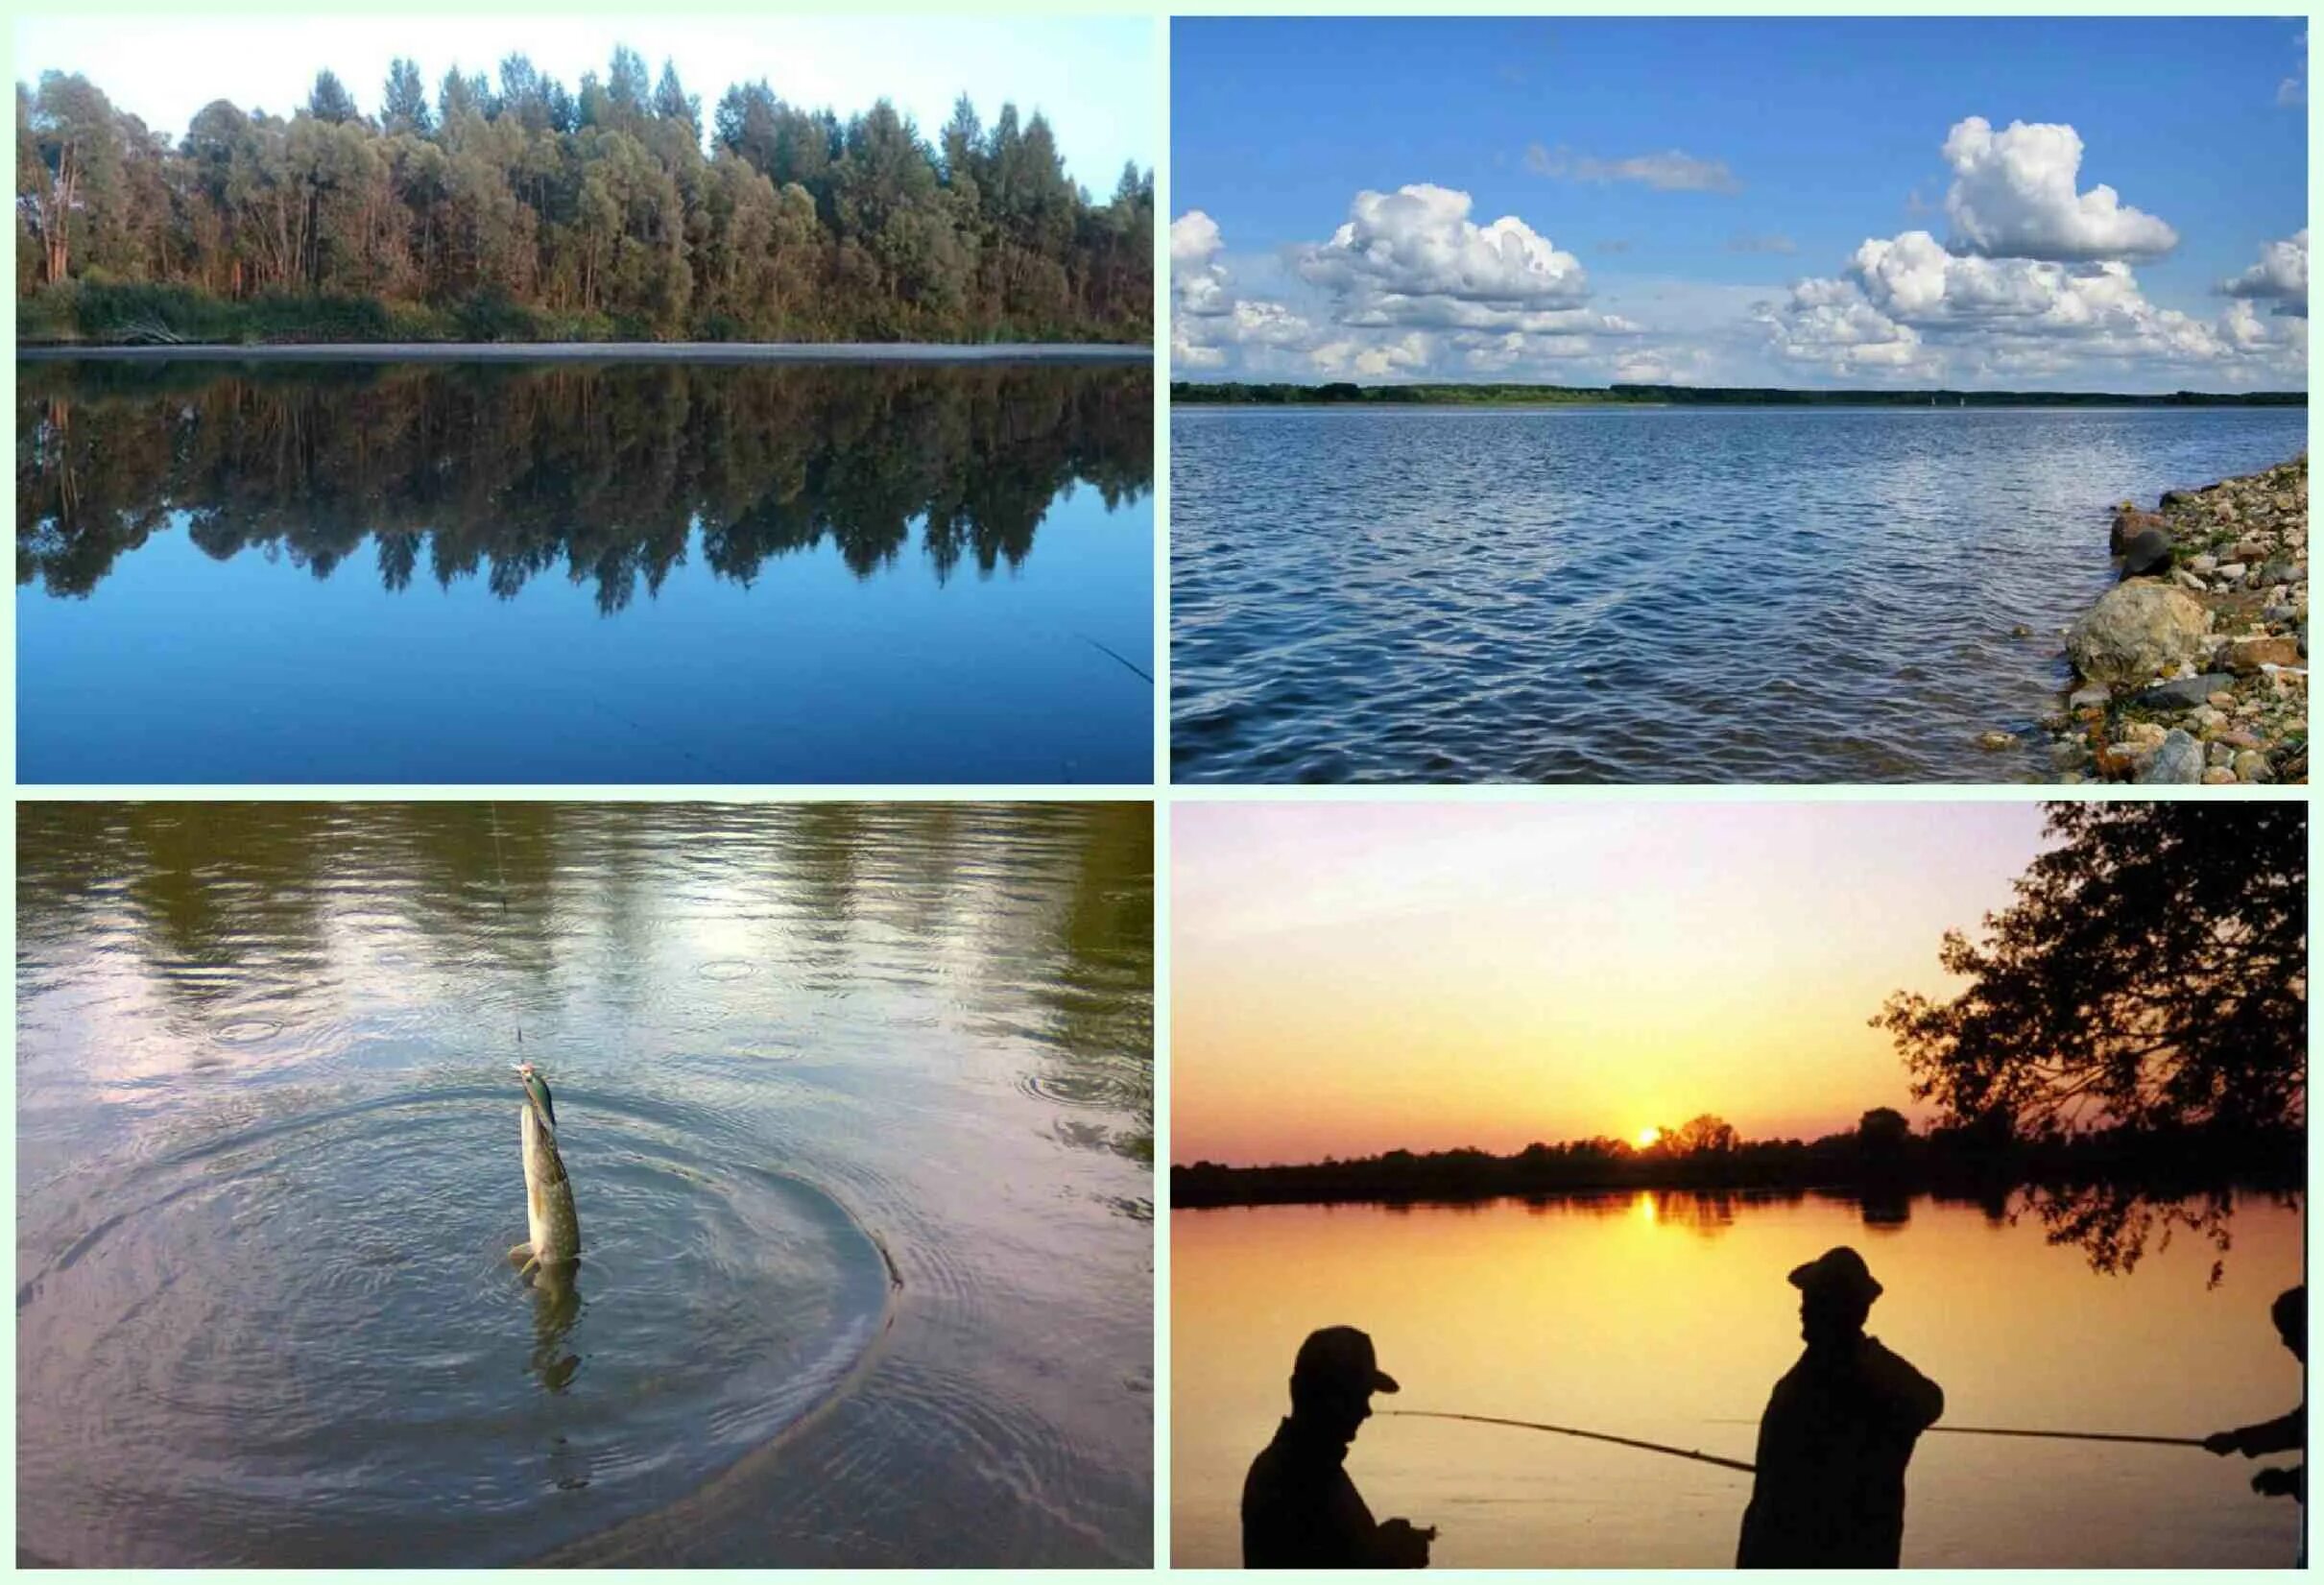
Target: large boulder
[[2137, 631], [2147, 551], [2129, 520]]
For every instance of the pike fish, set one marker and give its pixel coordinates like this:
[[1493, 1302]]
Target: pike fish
[[553, 1246]]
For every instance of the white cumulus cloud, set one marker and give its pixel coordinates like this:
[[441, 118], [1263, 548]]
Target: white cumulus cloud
[[2281, 276], [2013, 196], [1419, 242], [1198, 281]]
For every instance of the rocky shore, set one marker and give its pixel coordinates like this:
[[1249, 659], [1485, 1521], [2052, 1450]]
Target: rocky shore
[[2194, 667]]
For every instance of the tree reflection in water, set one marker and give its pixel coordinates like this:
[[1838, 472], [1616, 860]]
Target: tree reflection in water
[[607, 471]]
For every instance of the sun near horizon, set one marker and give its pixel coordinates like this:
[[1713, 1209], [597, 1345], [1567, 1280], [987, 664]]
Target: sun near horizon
[[1352, 978]]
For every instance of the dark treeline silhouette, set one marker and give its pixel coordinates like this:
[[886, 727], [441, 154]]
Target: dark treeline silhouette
[[512, 208], [605, 472], [2149, 978], [1882, 1159], [1703, 396]]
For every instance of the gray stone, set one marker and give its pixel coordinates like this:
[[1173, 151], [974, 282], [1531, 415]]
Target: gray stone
[[2184, 693], [2094, 696], [2177, 758]]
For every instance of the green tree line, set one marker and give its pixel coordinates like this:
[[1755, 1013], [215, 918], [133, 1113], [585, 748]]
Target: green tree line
[[515, 208], [1234, 393]]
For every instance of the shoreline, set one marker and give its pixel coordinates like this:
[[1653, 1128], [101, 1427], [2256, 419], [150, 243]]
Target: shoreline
[[2194, 667], [596, 351]]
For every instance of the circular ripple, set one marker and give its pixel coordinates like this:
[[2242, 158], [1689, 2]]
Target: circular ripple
[[245, 1032], [1093, 1088], [727, 969], [302, 1342]]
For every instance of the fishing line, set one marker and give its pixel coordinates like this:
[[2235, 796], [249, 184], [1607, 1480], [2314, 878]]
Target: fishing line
[[1116, 654], [501, 869]]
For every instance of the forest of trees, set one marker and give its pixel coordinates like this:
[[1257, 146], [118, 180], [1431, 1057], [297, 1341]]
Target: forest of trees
[[514, 208], [610, 474]]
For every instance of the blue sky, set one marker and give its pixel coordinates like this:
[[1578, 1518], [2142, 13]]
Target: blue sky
[[1794, 202], [1094, 76]]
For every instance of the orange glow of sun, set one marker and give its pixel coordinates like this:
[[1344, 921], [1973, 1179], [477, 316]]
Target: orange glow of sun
[[1647, 1135]]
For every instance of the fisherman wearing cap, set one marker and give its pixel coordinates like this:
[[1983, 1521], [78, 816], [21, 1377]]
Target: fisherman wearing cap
[[1300, 1509], [1838, 1431]]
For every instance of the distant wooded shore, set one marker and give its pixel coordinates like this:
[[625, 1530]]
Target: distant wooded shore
[[1882, 1158], [1194, 393]]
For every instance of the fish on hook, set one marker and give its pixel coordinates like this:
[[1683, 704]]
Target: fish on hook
[[553, 1244]]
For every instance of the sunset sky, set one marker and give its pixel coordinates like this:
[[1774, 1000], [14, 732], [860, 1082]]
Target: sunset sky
[[1348, 978]]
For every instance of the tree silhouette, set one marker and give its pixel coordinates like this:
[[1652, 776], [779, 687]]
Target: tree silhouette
[[2152, 974]]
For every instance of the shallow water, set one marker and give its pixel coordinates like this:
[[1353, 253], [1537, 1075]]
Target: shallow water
[[600, 573], [1639, 594], [857, 1103], [1666, 1318]]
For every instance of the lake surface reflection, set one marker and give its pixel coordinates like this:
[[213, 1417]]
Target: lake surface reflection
[[1667, 1317], [857, 1105], [584, 572]]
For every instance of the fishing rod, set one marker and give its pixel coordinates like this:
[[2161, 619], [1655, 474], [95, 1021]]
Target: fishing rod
[[2051, 1435], [2071, 1435], [1590, 1436]]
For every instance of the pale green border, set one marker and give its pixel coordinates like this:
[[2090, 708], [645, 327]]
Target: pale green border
[[1159, 791]]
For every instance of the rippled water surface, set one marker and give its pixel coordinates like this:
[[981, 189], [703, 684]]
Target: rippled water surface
[[856, 1102], [1666, 1318], [1638, 594], [596, 573]]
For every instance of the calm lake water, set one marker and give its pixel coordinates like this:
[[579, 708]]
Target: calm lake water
[[1667, 1318], [857, 1106], [1638, 594], [593, 573]]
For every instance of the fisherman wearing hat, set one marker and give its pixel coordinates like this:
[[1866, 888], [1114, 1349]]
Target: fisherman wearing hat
[[1839, 1428], [1300, 1508]]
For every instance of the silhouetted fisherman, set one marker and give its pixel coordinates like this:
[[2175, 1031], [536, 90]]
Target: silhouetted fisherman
[[2284, 1433], [1838, 1431], [1300, 1509]]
